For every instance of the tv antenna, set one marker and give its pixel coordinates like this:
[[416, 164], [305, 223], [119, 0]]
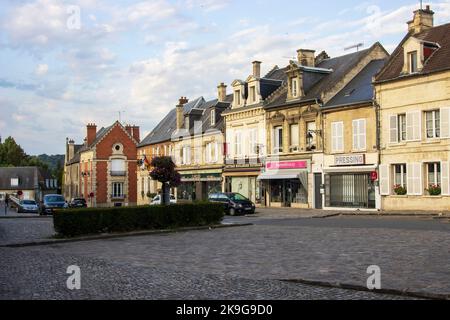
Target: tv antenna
[[356, 46]]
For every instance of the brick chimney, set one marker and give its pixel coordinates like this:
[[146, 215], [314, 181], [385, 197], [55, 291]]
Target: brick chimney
[[135, 133], [91, 133], [180, 111], [222, 92], [257, 69], [423, 20], [306, 57], [128, 128], [70, 149]]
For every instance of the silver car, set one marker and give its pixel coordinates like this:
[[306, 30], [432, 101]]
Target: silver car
[[27, 206], [157, 200]]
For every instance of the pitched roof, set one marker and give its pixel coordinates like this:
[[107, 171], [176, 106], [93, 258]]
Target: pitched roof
[[437, 62], [318, 80], [360, 88], [163, 131]]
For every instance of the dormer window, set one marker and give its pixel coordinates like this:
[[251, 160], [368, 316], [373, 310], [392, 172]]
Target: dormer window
[[253, 94], [294, 87], [187, 123], [213, 117], [237, 97], [413, 63]]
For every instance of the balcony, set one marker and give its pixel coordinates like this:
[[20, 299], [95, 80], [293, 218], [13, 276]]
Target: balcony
[[118, 173], [118, 197]]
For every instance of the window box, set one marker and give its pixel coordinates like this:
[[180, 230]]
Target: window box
[[399, 190], [434, 190]]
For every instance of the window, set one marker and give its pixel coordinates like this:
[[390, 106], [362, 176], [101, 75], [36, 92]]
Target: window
[[238, 143], [117, 167], [186, 155], [433, 122], [401, 118], [412, 57], [400, 175], [253, 94], [337, 137], [311, 135], [187, 123], [294, 87], [359, 135], [253, 141], [434, 174], [14, 182], [211, 152], [117, 190], [213, 117], [277, 139], [237, 97], [294, 137]]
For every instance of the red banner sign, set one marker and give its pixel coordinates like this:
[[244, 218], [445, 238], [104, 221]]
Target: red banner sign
[[301, 164]]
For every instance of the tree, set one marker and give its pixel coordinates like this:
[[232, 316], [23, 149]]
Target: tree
[[11, 154], [164, 172]]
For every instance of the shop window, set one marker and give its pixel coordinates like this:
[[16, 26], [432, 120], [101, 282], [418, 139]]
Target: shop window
[[434, 174], [276, 191], [433, 124]]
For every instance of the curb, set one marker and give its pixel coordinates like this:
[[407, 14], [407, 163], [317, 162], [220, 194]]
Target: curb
[[121, 235], [397, 292], [26, 217]]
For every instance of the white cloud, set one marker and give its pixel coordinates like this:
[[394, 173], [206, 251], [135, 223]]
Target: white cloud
[[41, 69]]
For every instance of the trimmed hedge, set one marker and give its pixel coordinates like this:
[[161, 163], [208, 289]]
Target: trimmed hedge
[[76, 222]]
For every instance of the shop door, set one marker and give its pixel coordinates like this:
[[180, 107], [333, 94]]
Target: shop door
[[317, 194]]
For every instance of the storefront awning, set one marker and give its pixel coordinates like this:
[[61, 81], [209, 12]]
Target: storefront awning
[[302, 175]]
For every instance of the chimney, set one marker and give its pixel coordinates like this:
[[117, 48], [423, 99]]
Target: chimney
[[91, 133], [70, 149], [257, 69], [135, 133], [222, 92], [423, 20], [128, 128], [180, 111], [306, 57], [321, 57]]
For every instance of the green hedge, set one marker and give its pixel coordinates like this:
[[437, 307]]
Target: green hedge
[[76, 222]]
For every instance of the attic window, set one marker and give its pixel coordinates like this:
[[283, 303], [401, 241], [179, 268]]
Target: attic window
[[237, 97], [187, 123], [213, 117], [253, 94], [294, 87], [412, 60], [14, 182]]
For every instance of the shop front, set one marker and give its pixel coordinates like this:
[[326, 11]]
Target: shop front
[[286, 183], [351, 183], [197, 185]]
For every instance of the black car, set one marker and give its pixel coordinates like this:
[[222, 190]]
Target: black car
[[235, 203], [78, 203], [52, 202]]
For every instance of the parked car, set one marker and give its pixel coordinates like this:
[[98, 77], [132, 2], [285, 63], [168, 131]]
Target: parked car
[[52, 202], [78, 203], [234, 203], [27, 206], [157, 200]]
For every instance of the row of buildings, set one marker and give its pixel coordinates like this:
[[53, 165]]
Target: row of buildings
[[367, 130]]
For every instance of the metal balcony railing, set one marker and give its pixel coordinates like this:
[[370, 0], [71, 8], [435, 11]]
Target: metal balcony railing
[[118, 173]]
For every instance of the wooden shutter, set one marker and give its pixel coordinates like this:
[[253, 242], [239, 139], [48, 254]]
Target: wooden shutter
[[393, 129], [445, 178], [414, 179], [355, 124], [333, 137], [362, 134], [385, 187], [445, 122], [341, 136], [413, 126]]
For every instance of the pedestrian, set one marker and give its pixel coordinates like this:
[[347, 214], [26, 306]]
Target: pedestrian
[[6, 204], [194, 196]]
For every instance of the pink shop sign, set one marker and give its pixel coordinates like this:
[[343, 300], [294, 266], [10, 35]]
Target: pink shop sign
[[287, 165]]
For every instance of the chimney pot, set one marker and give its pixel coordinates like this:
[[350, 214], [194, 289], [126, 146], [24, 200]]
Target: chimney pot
[[423, 20]]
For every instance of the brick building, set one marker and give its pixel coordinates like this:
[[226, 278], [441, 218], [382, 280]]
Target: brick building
[[103, 169]]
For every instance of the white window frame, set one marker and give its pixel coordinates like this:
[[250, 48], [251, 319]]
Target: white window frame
[[411, 60], [359, 135], [337, 137], [434, 124], [277, 148], [295, 134], [117, 189], [400, 128], [238, 144], [252, 141], [252, 92], [294, 87], [436, 173], [14, 182], [237, 97], [213, 117], [403, 175]]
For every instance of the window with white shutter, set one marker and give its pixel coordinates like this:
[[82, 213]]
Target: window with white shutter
[[337, 137], [359, 135], [385, 188], [414, 179], [445, 122], [413, 126], [393, 129], [445, 171]]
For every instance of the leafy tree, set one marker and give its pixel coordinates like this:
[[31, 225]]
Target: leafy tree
[[11, 154], [164, 172]]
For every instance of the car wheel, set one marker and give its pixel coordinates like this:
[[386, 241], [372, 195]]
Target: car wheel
[[232, 212]]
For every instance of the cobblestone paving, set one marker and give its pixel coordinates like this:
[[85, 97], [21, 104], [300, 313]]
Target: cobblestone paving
[[238, 263], [25, 230], [41, 275]]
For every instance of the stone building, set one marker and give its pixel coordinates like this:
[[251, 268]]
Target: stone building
[[103, 169], [413, 94], [293, 175]]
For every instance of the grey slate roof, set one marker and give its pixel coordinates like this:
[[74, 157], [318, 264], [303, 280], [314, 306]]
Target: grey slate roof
[[360, 88], [316, 82], [29, 178], [163, 131]]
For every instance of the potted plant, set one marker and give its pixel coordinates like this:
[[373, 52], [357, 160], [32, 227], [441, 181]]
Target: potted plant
[[400, 190], [434, 190]]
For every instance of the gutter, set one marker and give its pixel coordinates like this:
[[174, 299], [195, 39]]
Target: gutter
[[344, 105], [300, 102]]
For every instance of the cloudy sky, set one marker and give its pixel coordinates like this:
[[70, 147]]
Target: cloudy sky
[[67, 63]]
